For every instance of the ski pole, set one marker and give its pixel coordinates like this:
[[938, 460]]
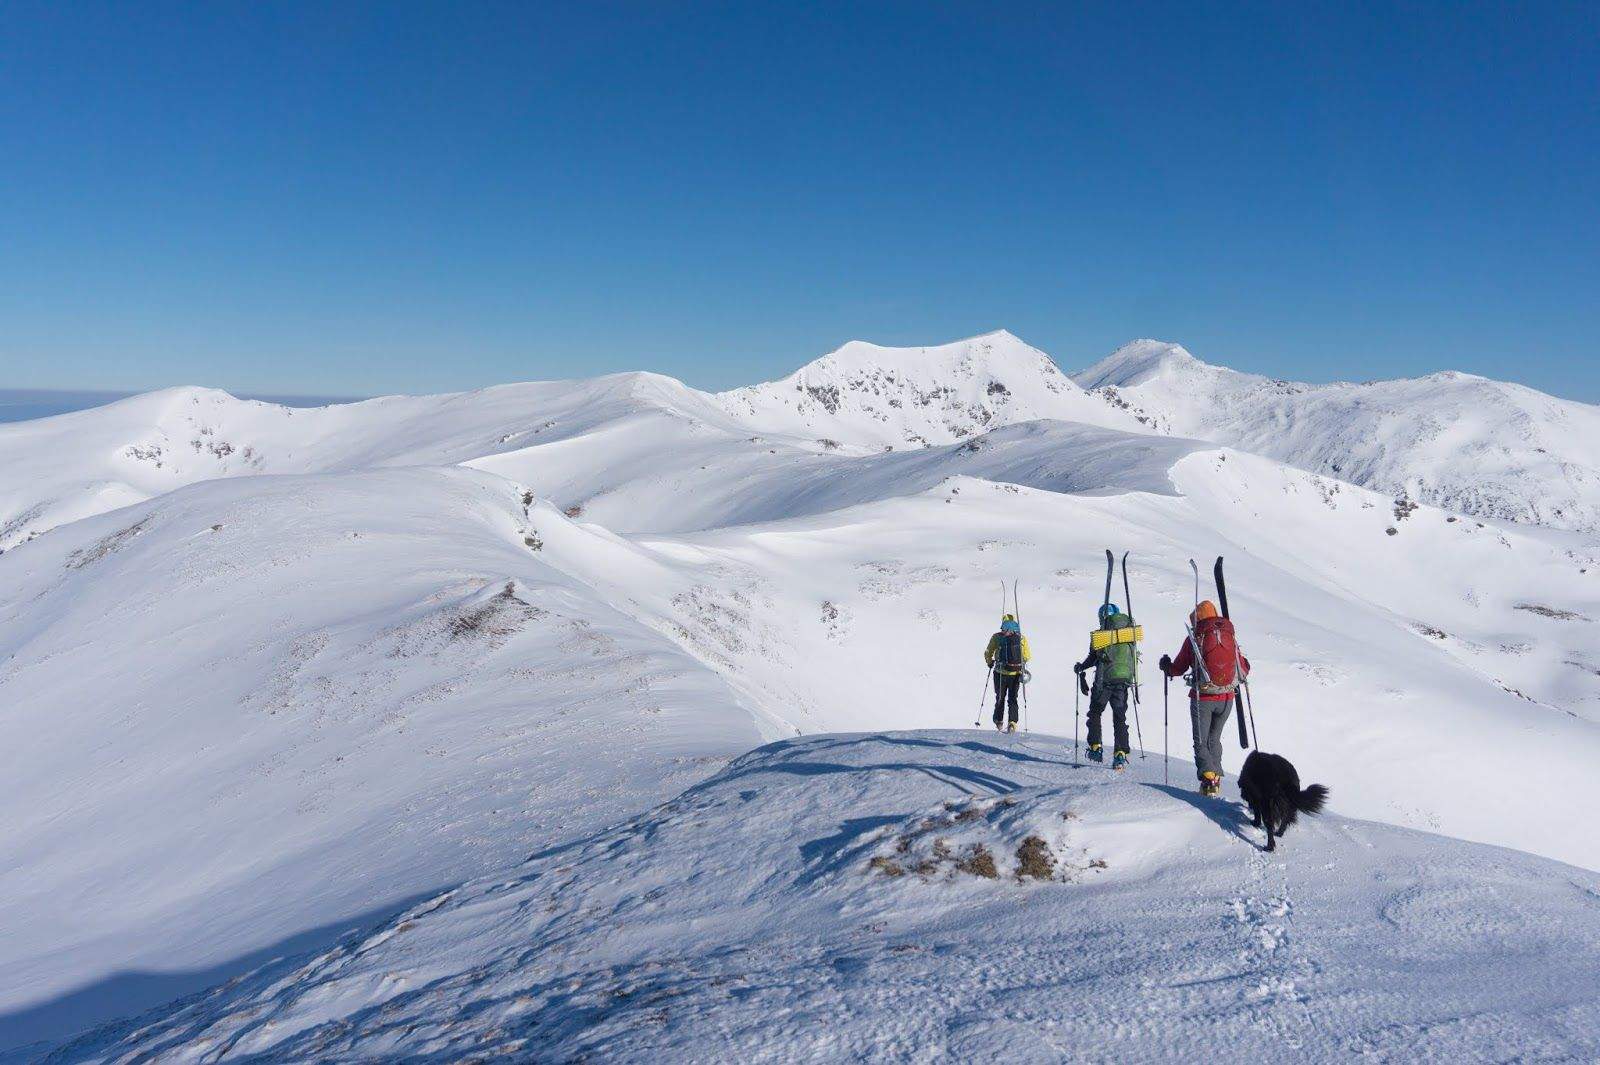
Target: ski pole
[[1249, 703], [983, 695], [1166, 743], [1138, 728], [1077, 698]]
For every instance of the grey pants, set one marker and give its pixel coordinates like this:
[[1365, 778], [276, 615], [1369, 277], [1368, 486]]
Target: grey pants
[[1208, 719]]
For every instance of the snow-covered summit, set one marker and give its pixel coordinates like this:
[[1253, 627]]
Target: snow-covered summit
[[1456, 440], [915, 397], [1139, 361]]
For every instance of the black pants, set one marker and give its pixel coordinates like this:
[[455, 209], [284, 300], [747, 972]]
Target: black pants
[[1115, 693], [1006, 688]]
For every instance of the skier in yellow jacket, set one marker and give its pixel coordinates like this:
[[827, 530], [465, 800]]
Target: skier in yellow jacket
[[1007, 657]]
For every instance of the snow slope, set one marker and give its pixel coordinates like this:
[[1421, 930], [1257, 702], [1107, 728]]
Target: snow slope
[[714, 482], [259, 706], [1464, 443], [265, 707], [928, 895]]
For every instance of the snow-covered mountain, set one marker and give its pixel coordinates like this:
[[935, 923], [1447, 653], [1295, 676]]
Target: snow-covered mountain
[[1464, 443], [425, 637], [571, 440], [76, 465], [913, 397]]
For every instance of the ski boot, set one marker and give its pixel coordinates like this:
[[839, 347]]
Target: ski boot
[[1211, 785], [1119, 760], [1011, 727], [999, 726], [1096, 753]]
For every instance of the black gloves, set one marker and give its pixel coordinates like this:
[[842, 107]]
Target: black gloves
[[1083, 683], [1165, 663], [1079, 668]]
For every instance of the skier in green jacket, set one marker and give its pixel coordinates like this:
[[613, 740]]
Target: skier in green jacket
[[1114, 669]]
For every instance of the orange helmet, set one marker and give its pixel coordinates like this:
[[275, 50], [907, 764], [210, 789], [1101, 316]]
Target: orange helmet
[[1205, 610]]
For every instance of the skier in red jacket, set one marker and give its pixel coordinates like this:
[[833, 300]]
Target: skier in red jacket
[[1213, 682]]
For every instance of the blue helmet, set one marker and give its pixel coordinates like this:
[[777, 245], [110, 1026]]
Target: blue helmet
[[1010, 625], [1109, 610]]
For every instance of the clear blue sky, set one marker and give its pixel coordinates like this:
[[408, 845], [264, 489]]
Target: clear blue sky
[[354, 198]]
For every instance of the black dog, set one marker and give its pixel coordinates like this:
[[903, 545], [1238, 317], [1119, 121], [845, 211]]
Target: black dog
[[1270, 785]]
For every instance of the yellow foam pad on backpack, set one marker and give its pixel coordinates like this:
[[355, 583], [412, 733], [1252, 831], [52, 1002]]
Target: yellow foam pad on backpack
[[1100, 639]]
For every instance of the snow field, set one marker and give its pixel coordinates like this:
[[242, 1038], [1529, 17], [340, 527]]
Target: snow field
[[823, 898]]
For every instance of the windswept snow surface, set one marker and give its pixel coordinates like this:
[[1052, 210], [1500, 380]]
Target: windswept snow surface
[[716, 483], [427, 636], [927, 895], [254, 707], [1457, 441]]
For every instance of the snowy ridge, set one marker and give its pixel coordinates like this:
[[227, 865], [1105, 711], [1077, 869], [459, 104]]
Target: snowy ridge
[[905, 895], [912, 397], [75, 465], [1454, 440]]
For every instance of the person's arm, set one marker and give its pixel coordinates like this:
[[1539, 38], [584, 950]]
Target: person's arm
[[1244, 664], [1086, 663], [988, 652], [1026, 654], [1181, 664]]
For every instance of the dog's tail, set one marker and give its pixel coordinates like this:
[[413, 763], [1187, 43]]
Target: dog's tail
[[1311, 800]]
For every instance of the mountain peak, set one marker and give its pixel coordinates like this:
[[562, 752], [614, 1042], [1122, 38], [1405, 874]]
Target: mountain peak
[[997, 351], [1139, 361], [890, 397]]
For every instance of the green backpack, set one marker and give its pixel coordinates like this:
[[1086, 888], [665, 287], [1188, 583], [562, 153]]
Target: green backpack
[[1120, 661]]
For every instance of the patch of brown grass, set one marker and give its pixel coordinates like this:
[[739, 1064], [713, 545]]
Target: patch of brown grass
[[979, 862], [887, 866], [1034, 859]]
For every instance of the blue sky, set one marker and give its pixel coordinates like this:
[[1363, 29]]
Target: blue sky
[[359, 198]]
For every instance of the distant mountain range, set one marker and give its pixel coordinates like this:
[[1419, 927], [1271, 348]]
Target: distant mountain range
[[23, 404], [1464, 443], [1478, 447]]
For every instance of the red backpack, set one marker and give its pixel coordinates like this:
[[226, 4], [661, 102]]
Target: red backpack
[[1218, 652]]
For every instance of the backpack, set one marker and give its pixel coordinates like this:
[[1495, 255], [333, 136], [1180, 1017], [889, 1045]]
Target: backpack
[[1120, 661], [1218, 654], [1008, 656]]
